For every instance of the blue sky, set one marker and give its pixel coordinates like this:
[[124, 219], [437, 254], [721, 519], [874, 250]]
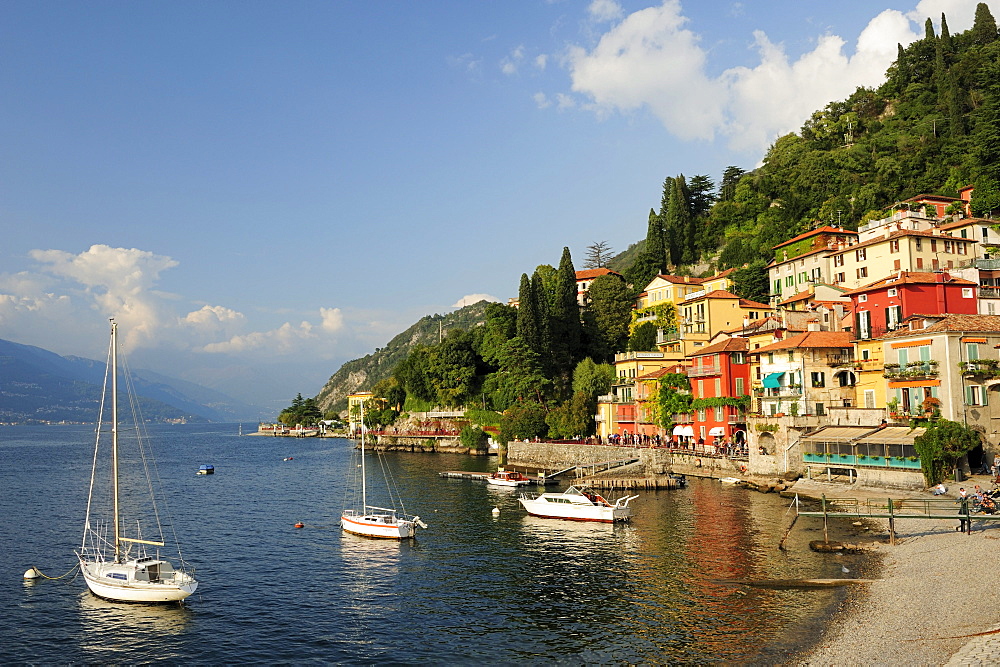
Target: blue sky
[[260, 191]]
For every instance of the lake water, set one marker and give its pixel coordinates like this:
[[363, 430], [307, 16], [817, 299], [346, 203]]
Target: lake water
[[470, 589]]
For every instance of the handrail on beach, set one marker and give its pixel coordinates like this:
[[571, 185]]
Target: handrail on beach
[[897, 508]]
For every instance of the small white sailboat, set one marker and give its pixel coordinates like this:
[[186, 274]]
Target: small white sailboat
[[370, 521], [117, 560]]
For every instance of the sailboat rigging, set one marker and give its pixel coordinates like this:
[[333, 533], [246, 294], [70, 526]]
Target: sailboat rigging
[[369, 520], [115, 556]]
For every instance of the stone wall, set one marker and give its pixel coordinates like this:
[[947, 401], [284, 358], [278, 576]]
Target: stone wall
[[559, 456]]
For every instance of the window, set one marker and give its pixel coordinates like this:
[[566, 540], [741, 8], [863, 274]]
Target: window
[[859, 255], [838, 260], [968, 293], [962, 248], [863, 272], [965, 234], [920, 262], [933, 245], [862, 298], [893, 291], [918, 243], [777, 287], [820, 409], [991, 308], [869, 398], [718, 386], [947, 246], [972, 351], [791, 356], [839, 278], [701, 414], [720, 413], [895, 265], [935, 264], [770, 357], [974, 395], [816, 274], [818, 379], [790, 281], [893, 316], [986, 232], [740, 390], [802, 277], [894, 245], [866, 354]]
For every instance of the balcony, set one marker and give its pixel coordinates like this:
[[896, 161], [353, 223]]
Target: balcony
[[989, 292], [915, 370], [701, 371]]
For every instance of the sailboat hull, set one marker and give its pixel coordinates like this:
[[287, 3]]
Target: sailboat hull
[[121, 582], [378, 526]]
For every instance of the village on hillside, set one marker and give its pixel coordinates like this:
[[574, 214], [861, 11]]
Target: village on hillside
[[867, 335]]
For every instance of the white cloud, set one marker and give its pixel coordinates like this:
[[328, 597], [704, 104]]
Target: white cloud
[[541, 61], [605, 10], [332, 319], [651, 60], [510, 64], [541, 101], [470, 299]]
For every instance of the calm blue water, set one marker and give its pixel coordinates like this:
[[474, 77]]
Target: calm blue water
[[470, 589]]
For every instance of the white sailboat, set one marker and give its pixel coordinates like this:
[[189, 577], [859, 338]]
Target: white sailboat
[[370, 521], [117, 561]]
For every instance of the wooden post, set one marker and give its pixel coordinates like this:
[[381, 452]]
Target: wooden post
[[892, 525], [826, 534]]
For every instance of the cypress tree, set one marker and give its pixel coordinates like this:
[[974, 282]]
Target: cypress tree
[[527, 314], [929, 29], [543, 317], [571, 309], [984, 28], [655, 244], [945, 35]]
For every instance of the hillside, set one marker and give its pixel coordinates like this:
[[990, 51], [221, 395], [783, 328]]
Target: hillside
[[361, 374], [37, 385]]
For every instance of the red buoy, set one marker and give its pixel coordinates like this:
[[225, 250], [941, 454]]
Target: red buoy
[[300, 525]]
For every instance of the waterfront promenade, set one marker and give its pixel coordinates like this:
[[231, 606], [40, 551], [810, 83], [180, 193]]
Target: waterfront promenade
[[934, 602]]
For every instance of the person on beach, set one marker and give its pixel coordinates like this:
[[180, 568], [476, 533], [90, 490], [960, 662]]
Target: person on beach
[[939, 490]]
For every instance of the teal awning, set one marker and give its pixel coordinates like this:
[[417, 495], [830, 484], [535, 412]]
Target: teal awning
[[773, 380]]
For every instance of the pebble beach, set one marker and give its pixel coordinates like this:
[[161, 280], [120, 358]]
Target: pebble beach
[[934, 599]]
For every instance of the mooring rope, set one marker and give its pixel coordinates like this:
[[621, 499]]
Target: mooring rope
[[42, 574]]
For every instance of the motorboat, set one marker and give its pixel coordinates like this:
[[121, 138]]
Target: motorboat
[[577, 504], [508, 478], [206, 470]]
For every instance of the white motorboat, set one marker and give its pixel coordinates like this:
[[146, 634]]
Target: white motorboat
[[577, 505], [369, 520], [508, 478], [115, 556]]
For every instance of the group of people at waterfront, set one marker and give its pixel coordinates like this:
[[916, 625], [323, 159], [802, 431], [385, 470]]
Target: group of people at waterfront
[[725, 447]]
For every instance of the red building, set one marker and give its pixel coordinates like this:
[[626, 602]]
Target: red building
[[720, 371], [883, 305]]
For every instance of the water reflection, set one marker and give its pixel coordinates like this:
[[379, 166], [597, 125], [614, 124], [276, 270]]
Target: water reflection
[[111, 630]]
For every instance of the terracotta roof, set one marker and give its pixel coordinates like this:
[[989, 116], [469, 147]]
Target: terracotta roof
[[964, 222], [797, 297], [682, 280], [747, 303], [723, 274], [899, 234], [814, 251], [952, 323], [924, 197], [587, 274], [735, 344], [819, 230], [811, 339], [657, 374], [910, 278]]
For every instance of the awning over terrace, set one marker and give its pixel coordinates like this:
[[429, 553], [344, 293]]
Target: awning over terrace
[[684, 430], [892, 435], [838, 434], [717, 430]]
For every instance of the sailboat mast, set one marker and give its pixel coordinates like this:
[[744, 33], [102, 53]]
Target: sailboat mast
[[364, 477], [114, 434]]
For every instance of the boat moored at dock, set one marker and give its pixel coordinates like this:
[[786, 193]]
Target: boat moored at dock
[[508, 478], [577, 504]]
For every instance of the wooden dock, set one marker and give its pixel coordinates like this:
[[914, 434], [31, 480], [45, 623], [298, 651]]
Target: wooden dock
[[483, 476]]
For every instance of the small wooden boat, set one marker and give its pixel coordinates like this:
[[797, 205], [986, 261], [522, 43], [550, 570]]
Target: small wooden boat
[[507, 478]]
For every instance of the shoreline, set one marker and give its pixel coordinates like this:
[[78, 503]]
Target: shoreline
[[932, 600]]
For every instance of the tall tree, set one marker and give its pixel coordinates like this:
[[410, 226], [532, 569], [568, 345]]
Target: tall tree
[[527, 315], [655, 246], [611, 305], [984, 28], [598, 255], [570, 309], [543, 304], [730, 178], [701, 195]]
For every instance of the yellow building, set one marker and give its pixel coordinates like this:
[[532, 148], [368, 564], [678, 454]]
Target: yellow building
[[870, 369], [354, 402]]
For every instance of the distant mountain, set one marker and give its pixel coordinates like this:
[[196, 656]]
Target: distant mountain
[[362, 374], [37, 385]]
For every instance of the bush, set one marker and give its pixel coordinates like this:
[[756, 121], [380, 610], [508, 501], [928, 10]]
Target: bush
[[474, 437]]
